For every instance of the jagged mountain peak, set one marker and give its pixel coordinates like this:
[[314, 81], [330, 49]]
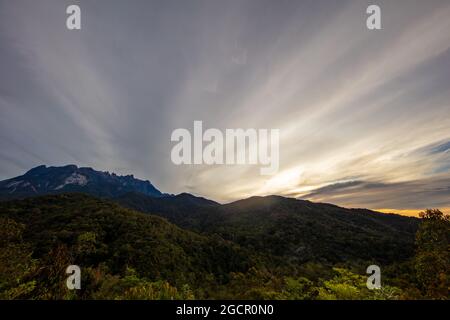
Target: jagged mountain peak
[[71, 178]]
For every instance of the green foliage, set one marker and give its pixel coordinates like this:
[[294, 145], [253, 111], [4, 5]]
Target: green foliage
[[56, 231], [16, 263], [344, 286], [132, 287], [347, 285], [291, 231], [125, 254], [298, 289], [258, 284], [432, 260]]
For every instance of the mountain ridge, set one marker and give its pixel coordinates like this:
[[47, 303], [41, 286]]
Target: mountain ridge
[[190, 240], [287, 228], [95, 231], [42, 180]]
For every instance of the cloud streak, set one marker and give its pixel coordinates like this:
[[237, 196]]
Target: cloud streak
[[363, 115]]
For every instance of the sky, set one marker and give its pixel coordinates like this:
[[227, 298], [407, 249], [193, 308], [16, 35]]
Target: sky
[[363, 114]]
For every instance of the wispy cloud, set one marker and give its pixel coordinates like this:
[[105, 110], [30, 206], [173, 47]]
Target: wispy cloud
[[411, 195], [363, 115]]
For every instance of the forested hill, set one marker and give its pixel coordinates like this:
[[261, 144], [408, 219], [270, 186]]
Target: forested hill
[[82, 230], [258, 248], [133, 241], [290, 228]]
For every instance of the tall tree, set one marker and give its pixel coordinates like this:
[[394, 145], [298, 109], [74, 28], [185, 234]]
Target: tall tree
[[433, 254]]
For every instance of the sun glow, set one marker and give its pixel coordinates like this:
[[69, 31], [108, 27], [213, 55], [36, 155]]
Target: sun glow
[[286, 179]]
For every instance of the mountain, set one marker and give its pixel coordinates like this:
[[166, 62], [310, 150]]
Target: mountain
[[70, 178], [96, 232], [133, 242], [303, 231], [286, 229], [184, 210], [290, 229]]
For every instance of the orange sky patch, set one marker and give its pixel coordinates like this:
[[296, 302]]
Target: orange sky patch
[[410, 212]]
